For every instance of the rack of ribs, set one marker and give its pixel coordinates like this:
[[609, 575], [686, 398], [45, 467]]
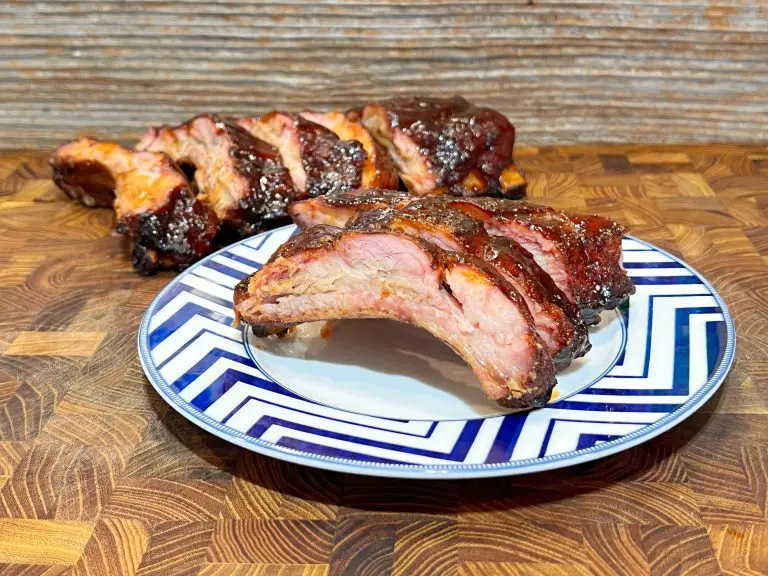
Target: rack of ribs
[[241, 177], [447, 146], [318, 161], [154, 203], [582, 254], [327, 273], [556, 319], [378, 169]]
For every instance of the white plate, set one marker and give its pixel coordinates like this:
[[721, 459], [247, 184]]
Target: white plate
[[382, 398]]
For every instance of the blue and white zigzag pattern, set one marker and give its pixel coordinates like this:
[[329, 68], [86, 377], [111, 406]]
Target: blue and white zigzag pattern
[[676, 338]]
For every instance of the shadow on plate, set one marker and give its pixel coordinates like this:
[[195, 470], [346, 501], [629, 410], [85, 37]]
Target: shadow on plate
[[370, 366], [384, 346]]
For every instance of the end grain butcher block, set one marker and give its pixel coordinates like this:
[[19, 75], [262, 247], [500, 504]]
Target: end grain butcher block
[[98, 474]]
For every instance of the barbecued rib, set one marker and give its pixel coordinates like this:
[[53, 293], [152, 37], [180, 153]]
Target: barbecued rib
[[581, 254], [337, 209], [241, 177], [557, 321], [326, 273], [152, 198], [319, 163], [447, 146], [378, 169]]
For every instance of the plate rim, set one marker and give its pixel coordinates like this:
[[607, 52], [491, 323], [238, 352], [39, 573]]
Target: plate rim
[[439, 471]]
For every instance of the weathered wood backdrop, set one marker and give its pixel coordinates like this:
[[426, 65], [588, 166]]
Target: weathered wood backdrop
[[576, 71]]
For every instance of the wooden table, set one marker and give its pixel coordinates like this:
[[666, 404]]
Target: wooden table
[[99, 474]]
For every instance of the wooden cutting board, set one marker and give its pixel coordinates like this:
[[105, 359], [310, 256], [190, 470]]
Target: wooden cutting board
[[97, 473]]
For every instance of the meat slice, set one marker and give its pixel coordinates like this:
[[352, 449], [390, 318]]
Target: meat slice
[[241, 177], [581, 254], [327, 273], [378, 169], [337, 209], [319, 163], [155, 206], [556, 319], [447, 146]]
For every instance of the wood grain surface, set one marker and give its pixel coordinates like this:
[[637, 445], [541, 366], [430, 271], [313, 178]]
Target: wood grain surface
[[99, 476], [563, 71]]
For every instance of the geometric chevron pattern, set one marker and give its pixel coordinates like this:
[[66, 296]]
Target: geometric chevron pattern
[[677, 349]]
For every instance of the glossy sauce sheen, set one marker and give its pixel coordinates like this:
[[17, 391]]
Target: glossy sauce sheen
[[332, 165], [175, 235], [269, 190], [458, 138], [378, 170], [589, 248]]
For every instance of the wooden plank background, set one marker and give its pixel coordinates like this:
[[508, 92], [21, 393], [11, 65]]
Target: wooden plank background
[[564, 72]]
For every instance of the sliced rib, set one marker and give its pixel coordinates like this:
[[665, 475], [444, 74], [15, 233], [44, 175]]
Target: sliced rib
[[326, 273], [152, 198], [319, 163], [582, 254], [378, 169], [447, 146], [337, 209], [557, 319], [241, 177]]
